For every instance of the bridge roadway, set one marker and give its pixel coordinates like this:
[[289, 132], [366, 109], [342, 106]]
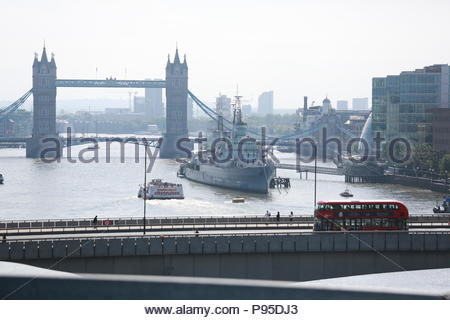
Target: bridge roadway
[[133, 224], [150, 141]]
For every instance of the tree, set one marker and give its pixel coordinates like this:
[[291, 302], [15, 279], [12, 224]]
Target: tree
[[444, 164], [423, 157]]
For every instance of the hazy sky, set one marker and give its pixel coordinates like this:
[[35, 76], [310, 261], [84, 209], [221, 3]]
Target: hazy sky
[[295, 48]]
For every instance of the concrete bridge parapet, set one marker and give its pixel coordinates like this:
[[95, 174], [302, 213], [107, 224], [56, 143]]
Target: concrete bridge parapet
[[295, 257]]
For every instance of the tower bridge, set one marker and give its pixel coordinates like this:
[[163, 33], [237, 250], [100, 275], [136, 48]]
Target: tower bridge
[[44, 90]]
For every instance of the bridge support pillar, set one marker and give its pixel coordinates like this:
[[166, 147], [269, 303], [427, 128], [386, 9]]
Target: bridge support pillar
[[44, 143], [176, 110], [47, 147], [174, 146]]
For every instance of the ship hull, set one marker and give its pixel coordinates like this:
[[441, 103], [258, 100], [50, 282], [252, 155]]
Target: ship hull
[[249, 179]]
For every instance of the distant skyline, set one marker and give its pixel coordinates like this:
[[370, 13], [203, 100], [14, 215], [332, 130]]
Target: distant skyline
[[295, 48]]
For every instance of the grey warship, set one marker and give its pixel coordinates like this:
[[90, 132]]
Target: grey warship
[[231, 160]]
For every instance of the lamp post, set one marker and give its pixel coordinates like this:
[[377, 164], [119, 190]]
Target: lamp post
[[315, 176], [145, 183]]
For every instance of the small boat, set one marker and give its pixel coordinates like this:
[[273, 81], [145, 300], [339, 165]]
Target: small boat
[[444, 207], [346, 194], [157, 189], [180, 174], [238, 200]]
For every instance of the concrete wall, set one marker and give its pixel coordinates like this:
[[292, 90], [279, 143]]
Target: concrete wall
[[276, 257]]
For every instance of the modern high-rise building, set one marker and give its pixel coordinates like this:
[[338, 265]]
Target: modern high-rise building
[[401, 104], [265, 103], [342, 105], [154, 103], [223, 106], [139, 105], [360, 103]]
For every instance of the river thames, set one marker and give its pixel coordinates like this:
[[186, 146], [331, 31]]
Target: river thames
[[37, 190]]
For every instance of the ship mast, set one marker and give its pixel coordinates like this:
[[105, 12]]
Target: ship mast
[[237, 111]]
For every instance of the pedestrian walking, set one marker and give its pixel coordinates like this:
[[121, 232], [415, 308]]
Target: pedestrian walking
[[278, 216], [4, 237], [95, 220], [291, 216]]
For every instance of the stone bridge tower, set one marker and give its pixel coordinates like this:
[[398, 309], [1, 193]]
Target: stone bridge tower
[[176, 107], [44, 108]]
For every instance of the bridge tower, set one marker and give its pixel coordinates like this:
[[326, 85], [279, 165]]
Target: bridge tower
[[176, 107], [44, 108]]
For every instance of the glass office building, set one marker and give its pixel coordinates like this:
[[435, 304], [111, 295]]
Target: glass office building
[[401, 104]]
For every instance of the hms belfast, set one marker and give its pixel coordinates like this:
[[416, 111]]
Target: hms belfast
[[231, 160]]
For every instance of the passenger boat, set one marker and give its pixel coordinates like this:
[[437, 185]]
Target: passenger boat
[[157, 189]]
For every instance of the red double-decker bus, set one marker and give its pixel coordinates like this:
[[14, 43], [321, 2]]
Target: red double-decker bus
[[360, 215]]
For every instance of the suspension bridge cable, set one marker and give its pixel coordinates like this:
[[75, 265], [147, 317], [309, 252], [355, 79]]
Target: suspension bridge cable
[[15, 105]]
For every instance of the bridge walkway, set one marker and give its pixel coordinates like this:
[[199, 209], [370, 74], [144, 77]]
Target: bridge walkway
[[308, 168]]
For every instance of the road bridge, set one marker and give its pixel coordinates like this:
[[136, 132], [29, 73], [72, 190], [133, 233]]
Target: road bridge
[[294, 256]]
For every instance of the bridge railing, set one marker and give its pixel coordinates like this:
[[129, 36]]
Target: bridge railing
[[151, 223], [38, 223], [185, 223]]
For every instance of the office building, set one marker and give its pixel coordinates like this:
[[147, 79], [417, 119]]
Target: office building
[[265, 103], [139, 105], [342, 105], [223, 106], [360, 103], [154, 103], [440, 124], [402, 104]]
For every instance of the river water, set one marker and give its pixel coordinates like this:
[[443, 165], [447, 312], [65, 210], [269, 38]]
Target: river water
[[37, 190]]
